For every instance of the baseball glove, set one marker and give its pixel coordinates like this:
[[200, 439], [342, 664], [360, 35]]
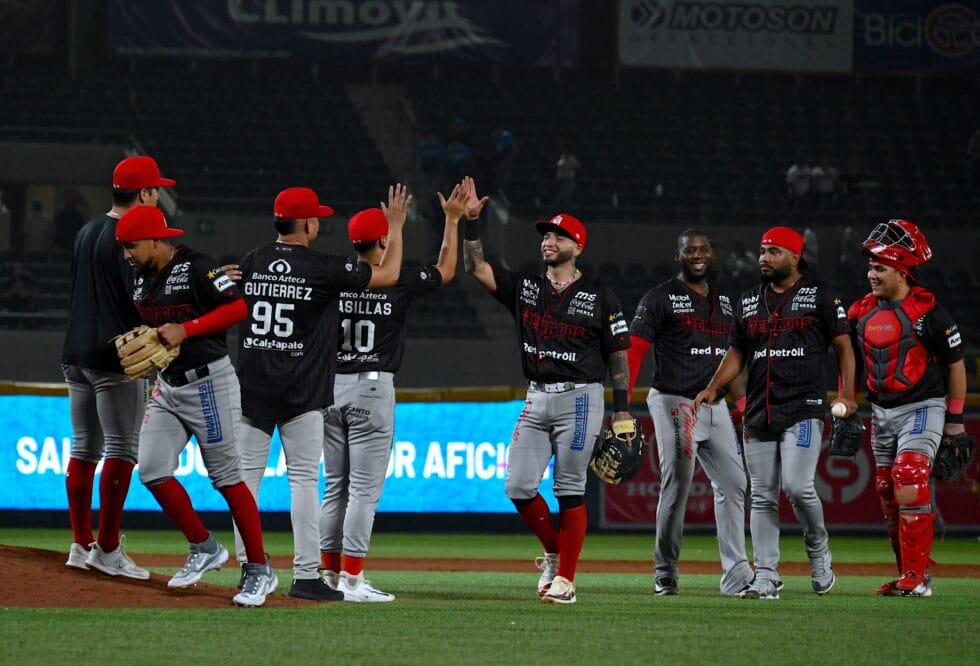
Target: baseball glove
[[846, 435], [141, 353], [618, 452], [952, 457]]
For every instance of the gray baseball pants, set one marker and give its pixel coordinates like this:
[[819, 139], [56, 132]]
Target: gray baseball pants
[[915, 427], [563, 425], [358, 432], [710, 438], [302, 444], [790, 461], [106, 413]]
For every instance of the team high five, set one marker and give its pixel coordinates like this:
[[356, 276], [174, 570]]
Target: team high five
[[322, 337]]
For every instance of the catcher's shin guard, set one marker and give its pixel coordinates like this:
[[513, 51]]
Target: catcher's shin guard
[[889, 508], [910, 474]]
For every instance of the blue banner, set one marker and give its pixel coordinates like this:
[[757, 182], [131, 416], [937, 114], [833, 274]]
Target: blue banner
[[916, 35], [447, 458], [544, 32]]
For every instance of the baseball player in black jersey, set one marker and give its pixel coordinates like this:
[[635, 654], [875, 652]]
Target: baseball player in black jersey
[[359, 427], [286, 362], [782, 331], [688, 322], [191, 303], [106, 408], [571, 330], [913, 353]]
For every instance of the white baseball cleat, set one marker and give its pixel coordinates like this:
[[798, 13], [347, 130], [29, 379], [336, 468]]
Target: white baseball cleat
[[116, 562], [761, 588], [77, 555], [355, 588], [260, 581], [562, 591], [330, 578], [203, 557], [549, 569]]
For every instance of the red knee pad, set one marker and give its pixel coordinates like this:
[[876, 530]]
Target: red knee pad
[[886, 492], [910, 474]]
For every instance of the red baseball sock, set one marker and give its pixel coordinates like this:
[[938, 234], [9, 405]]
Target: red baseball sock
[[174, 501], [245, 511], [571, 535], [79, 479], [537, 516], [113, 488], [330, 560], [353, 565]]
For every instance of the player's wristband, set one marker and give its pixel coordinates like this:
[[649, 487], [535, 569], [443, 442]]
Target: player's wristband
[[621, 402], [471, 230], [740, 405], [954, 410], [954, 418]]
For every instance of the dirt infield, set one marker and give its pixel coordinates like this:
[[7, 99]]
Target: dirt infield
[[43, 580]]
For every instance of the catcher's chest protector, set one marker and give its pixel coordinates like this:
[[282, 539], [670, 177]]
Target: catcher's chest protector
[[894, 355]]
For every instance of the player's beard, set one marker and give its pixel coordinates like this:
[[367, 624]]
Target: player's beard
[[776, 275], [691, 278], [559, 258]]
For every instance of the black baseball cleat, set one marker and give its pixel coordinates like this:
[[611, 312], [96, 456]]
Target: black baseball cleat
[[315, 590], [665, 586]]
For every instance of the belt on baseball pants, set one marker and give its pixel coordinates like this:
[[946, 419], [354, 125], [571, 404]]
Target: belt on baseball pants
[[371, 376], [556, 387], [183, 378]]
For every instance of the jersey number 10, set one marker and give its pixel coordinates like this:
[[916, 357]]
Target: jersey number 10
[[358, 335]]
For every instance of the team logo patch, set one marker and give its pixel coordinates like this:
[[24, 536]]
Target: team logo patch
[[618, 327], [222, 283], [280, 267], [954, 340]]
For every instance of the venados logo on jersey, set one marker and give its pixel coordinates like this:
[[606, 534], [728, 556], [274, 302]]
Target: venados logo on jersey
[[280, 267]]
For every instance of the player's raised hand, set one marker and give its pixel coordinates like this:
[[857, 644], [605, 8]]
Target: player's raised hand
[[455, 206], [474, 203], [396, 210]]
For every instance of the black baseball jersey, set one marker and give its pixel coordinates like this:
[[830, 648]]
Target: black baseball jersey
[[905, 347], [289, 340], [101, 305], [190, 286], [689, 333], [372, 321], [567, 336], [784, 339]]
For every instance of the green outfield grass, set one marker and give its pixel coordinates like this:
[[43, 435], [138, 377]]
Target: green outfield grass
[[481, 618]]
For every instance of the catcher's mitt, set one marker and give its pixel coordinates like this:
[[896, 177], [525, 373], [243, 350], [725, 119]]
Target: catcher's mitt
[[952, 457], [141, 353], [618, 452], [846, 435]]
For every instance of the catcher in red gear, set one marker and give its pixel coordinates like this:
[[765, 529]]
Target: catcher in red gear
[[916, 380]]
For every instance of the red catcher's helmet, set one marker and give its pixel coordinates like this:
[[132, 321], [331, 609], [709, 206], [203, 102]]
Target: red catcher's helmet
[[898, 241]]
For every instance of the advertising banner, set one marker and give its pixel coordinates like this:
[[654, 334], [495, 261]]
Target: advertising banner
[[846, 487], [544, 32], [447, 458], [812, 35], [916, 35]]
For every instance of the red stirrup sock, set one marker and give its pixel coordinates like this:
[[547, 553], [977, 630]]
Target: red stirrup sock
[[353, 565], [571, 536], [175, 502], [79, 480], [330, 560], [537, 516], [113, 488], [245, 511]]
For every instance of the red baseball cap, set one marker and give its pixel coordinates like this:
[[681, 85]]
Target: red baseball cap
[[787, 238], [138, 172], [299, 203], [565, 224], [142, 223], [367, 226]]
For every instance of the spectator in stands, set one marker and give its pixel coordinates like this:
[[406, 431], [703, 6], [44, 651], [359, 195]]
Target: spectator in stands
[[5, 225], [431, 154], [973, 158], [23, 289], [68, 221], [741, 263], [37, 234], [811, 250], [823, 183], [566, 169], [798, 183], [458, 158]]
